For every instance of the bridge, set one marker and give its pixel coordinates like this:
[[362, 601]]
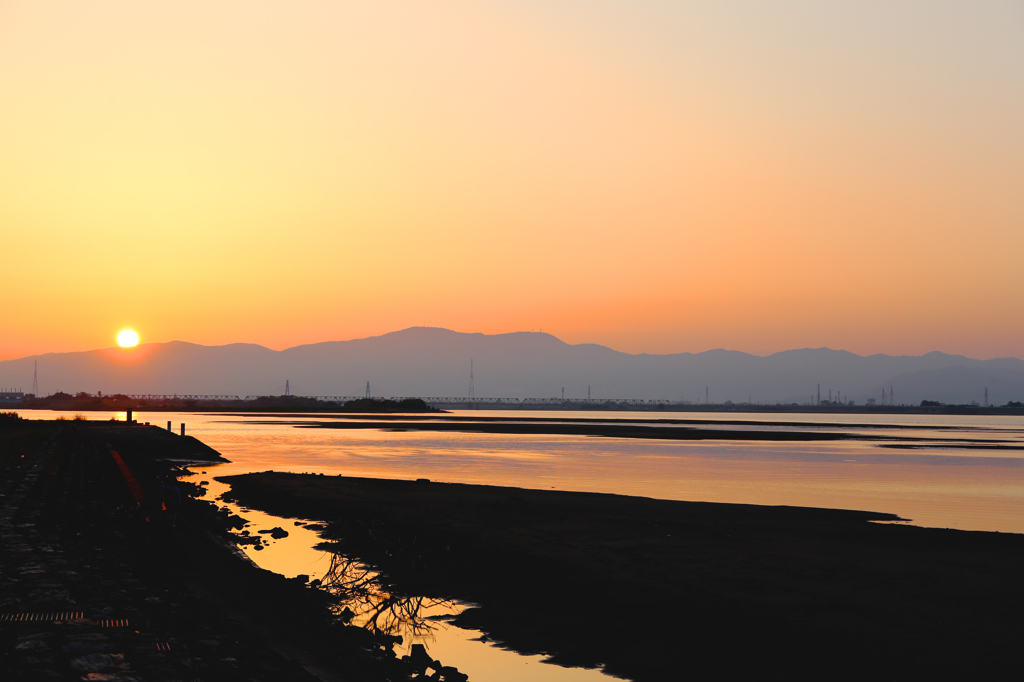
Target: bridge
[[435, 401], [176, 396], [439, 401]]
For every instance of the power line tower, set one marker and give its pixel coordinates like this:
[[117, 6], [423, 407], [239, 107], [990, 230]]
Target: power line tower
[[35, 378], [986, 396], [287, 388], [472, 388], [367, 389], [819, 395]]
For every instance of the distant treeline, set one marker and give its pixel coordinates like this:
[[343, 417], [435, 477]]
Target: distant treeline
[[282, 403]]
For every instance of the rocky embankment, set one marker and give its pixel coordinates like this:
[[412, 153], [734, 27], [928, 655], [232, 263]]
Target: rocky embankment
[[96, 583]]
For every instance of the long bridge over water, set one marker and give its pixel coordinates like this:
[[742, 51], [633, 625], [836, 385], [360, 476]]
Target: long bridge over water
[[435, 401]]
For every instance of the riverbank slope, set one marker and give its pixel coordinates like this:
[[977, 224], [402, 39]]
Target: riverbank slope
[[97, 578]]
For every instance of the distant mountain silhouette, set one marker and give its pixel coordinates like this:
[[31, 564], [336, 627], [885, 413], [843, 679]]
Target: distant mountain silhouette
[[425, 361]]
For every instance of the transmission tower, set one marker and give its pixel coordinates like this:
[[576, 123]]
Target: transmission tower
[[35, 378], [367, 389], [287, 388], [472, 388]]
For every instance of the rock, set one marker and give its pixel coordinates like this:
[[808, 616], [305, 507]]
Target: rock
[[32, 645], [236, 521], [452, 674], [277, 533], [99, 662]]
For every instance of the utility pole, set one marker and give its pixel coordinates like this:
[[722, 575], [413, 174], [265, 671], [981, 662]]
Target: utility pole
[[35, 378], [819, 395], [472, 388]]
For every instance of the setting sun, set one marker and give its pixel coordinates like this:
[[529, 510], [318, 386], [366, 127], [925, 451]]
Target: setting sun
[[128, 338]]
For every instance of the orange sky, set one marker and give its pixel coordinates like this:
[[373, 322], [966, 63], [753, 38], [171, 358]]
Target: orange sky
[[651, 175]]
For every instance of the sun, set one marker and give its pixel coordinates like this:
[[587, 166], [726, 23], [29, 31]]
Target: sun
[[128, 338]]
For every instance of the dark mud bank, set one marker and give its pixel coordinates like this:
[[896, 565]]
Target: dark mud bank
[[651, 589]]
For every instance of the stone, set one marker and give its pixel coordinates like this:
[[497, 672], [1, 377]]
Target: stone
[[99, 662]]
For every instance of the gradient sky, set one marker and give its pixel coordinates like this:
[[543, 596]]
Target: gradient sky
[[653, 175]]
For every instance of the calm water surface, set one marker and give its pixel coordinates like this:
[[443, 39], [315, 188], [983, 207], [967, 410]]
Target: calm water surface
[[940, 484]]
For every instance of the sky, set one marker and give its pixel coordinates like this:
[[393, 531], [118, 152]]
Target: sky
[[652, 175]]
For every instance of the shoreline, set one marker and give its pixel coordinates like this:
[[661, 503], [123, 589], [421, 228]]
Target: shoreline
[[643, 586]]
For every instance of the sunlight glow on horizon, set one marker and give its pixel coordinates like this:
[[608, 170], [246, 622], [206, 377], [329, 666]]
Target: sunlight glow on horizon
[[648, 175]]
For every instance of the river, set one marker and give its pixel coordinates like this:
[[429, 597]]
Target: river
[[935, 483]]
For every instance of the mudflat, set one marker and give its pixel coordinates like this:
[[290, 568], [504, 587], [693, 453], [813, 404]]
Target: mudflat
[[656, 590]]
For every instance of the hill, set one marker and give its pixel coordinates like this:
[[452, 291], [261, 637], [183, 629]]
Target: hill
[[426, 362]]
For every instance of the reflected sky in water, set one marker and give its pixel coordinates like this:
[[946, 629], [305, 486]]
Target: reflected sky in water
[[944, 487]]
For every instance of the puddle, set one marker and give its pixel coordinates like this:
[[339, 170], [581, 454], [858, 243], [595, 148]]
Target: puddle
[[418, 619]]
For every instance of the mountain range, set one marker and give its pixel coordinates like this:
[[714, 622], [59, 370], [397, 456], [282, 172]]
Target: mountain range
[[427, 362]]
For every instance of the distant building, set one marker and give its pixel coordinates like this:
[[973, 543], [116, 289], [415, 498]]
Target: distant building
[[11, 396], [870, 402]]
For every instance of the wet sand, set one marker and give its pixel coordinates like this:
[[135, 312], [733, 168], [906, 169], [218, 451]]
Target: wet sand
[[656, 590]]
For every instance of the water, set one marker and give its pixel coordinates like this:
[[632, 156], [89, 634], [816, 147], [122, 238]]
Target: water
[[943, 483]]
